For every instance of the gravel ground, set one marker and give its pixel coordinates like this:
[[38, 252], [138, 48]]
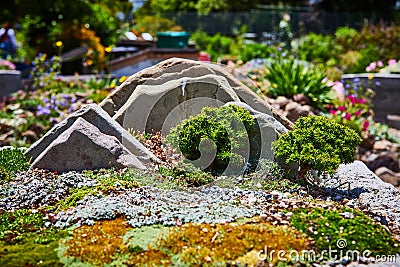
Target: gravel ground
[[34, 189], [359, 188], [149, 205]]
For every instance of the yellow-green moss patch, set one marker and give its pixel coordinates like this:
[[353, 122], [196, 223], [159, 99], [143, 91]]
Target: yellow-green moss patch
[[219, 244], [98, 244]]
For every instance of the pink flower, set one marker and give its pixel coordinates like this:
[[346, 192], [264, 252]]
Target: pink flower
[[380, 64], [347, 116], [362, 101], [332, 111], [7, 65], [365, 125], [330, 106], [358, 112], [392, 62], [341, 108], [372, 65], [352, 99], [368, 69]]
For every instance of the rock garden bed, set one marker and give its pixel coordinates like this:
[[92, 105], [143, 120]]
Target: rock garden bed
[[135, 203]]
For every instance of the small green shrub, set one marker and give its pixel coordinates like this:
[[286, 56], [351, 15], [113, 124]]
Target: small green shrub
[[254, 50], [217, 45], [318, 143], [153, 24], [12, 160], [288, 77], [187, 175], [223, 129], [317, 48]]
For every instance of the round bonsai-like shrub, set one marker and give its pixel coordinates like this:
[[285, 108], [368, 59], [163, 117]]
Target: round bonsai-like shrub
[[319, 143], [214, 138]]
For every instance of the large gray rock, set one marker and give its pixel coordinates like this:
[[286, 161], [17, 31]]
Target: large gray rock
[[161, 107], [367, 191], [100, 119], [177, 67], [83, 147]]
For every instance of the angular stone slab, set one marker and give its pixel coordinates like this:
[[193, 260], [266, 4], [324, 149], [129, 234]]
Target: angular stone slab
[[150, 106], [189, 68], [83, 147], [95, 115]]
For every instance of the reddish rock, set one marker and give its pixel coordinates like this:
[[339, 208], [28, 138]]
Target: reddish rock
[[30, 136]]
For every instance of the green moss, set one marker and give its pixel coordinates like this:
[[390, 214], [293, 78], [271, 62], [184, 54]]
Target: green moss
[[35, 249], [139, 239], [15, 224], [24, 241], [187, 175], [360, 233]]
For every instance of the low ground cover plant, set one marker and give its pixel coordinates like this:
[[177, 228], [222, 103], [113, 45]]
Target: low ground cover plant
[[319, 143], [340, 230], [12, 160]]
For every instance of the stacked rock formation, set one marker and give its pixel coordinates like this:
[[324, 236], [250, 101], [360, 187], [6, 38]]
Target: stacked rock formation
[[155, 99]]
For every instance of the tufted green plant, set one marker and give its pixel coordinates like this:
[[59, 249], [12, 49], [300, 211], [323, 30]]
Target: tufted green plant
[[318, 143], [12, 160], [214, 128], [288, 77]]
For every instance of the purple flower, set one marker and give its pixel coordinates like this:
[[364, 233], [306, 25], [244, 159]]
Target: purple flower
[[42, 111], [71, 109], [63, 104], [46, 100], [66, 96], [377, 83], [73, 100]]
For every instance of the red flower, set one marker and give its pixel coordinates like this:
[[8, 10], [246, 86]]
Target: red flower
[[365, 125], [347, 116], [362, 101], [358, 112], [352, 99], [332, 111], [341, 108]]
